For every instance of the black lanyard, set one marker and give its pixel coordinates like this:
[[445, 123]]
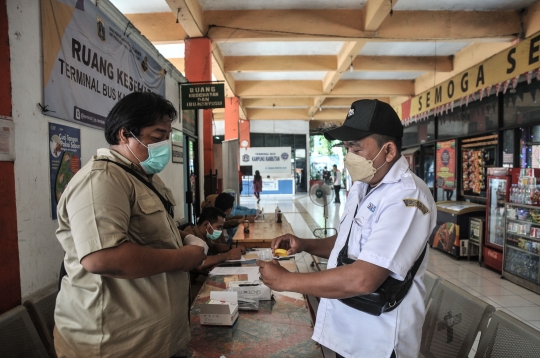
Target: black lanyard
[[169, 207]]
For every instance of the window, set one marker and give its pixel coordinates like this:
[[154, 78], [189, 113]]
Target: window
[[523, 106], [420, 132], [477, 117]]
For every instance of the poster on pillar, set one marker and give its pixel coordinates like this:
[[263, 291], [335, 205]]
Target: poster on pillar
[[89, 63], [268, 161], [64, 159]]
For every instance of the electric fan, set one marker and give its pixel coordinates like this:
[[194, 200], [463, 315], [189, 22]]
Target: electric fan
[[322, 195]]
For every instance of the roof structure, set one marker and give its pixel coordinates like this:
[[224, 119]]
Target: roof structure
[[310, 59]]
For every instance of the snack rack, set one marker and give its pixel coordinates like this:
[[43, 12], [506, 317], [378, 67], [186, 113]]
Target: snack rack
[[522, 246]]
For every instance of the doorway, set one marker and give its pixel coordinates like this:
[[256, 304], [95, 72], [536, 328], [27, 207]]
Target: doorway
[[192, 205], [427, 164]]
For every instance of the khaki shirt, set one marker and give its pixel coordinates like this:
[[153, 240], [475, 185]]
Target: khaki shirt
[[97, 316], [195, 231]]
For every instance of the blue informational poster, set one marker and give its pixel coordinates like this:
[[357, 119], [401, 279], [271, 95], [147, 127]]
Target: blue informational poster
[[64, 159]]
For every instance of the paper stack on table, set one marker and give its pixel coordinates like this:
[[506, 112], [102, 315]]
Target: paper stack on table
[[246, 257], [252, 272]]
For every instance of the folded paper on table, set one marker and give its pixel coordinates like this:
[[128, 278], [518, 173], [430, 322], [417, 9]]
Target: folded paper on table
[[252, 272]]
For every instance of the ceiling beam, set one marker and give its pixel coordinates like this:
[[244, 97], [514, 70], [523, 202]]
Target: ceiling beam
[[345, 56], [277, 102], [404, 63], [349, 88], [330, 63], [279, 63], [296, 114], [158, 26], [531, 19], [343, 25], [373, 88], [218, 116], [191, 16], [375, 11], [476, 26], [345, 102], [179, 63]]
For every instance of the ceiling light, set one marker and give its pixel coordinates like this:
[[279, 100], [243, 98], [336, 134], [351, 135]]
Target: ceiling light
[[311, 118], [320, 109]]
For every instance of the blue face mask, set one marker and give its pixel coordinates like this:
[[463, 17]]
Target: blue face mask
[[159, 155], [215, 235]]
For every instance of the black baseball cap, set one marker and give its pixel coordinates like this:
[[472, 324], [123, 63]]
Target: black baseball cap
[[367, 117]]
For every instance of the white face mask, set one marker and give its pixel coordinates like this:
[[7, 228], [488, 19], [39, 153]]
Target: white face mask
[[361, 169]]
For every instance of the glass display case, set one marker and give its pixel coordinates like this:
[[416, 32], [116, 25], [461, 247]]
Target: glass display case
[[522, 246], [498, 189], [476, 238]]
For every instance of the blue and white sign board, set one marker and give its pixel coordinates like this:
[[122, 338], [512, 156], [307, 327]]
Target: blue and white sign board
[[267, 160]]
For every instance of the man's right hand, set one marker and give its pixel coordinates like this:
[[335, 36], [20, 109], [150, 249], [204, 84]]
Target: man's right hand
[[234, 254], [289, 242], [194, 256]]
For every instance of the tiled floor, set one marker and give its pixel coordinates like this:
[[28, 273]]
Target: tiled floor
[[481, 282]]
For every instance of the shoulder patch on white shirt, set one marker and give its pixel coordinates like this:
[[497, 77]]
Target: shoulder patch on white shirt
[[413, 203], [407, 181]]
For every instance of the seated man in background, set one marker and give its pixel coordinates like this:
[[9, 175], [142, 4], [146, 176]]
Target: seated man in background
[[209, 228], [225, 202], [237, 210]]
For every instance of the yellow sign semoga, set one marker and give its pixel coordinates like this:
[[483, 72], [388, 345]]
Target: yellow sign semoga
[[498, 69]]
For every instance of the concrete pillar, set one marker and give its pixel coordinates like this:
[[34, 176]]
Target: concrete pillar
[[198, 67], [232, 105], [245, 130]]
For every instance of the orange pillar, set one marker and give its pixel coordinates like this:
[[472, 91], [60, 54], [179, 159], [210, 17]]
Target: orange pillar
[[198, 67], [231, 117], [245, 129]]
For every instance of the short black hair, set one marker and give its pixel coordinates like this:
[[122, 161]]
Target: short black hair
[[224, 201], [210, 214], [136, 111], [335, 165], [381, 139]]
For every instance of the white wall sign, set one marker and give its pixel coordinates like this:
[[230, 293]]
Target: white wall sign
[[269, 185], [268, 161]]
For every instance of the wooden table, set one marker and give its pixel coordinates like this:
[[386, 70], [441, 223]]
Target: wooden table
[[262, 233], [280, 328]]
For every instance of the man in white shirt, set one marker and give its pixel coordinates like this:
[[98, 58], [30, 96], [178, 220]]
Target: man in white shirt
[[388, 218], [337, 182]]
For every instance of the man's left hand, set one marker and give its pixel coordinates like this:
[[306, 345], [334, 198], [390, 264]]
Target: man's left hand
[[273, 275], [242, 249]]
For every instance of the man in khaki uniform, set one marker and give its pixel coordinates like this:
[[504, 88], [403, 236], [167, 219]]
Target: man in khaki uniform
[[209, 228], [126, 293]]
